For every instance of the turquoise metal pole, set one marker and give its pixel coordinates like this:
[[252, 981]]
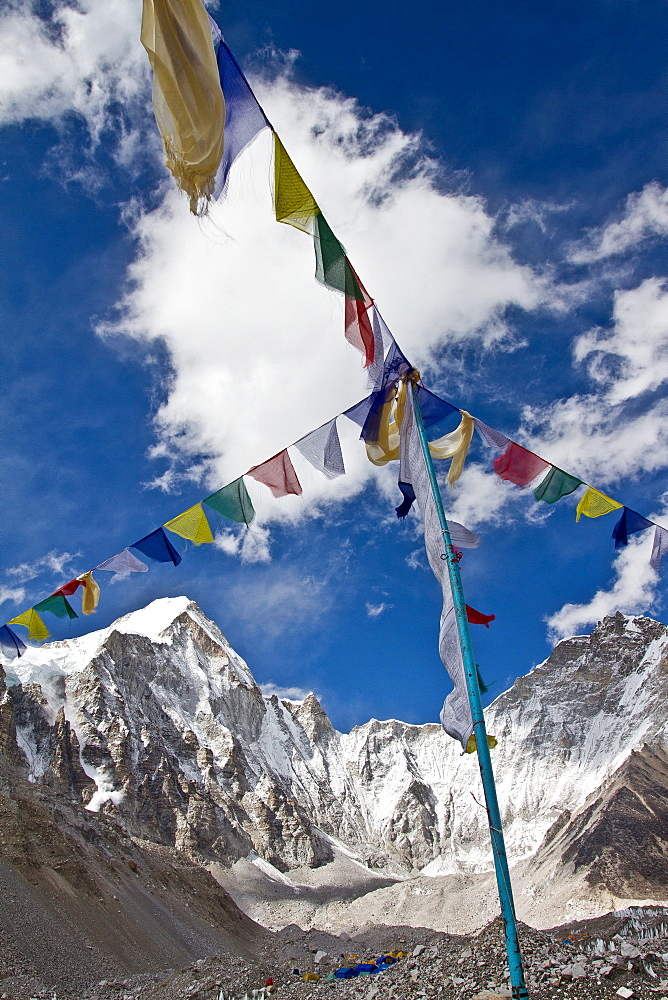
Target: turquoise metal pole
[[518, 986]]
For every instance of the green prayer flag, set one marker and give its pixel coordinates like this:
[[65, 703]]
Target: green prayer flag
[[557, 484], [332, 267], [58, 605], [233, 502]]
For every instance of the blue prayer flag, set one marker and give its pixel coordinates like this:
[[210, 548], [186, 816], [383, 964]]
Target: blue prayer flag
[[629, 523], [244, 118], [10, 640], [157, 546]]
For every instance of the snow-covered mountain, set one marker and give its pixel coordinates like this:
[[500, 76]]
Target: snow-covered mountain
[[157, 721]]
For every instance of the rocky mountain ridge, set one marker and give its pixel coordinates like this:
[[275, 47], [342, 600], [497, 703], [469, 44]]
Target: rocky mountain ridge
[[157, 722]]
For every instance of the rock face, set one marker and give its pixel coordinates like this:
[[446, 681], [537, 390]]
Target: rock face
[[157, 721]]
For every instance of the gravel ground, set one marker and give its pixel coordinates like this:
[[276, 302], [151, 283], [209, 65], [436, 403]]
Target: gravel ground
[[596, 964]]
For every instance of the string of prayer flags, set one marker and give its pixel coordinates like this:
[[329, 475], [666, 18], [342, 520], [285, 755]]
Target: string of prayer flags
[[494, 439], [595, 504], [37, 630], [322, 448], [659, 546], [454, 445], [233, 502], [358, 330], [123, 562], [157, 546], [90, 597], [278, 473], [191, 524], [187, 96], [10, 640], [478, 618], [519, 466], [293, 202], [557, 484], [456, 716], [629, 524], [58, 605], [244, 118]]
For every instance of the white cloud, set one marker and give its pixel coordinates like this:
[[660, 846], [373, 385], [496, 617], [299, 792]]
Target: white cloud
[[55, 562], [632, 357], [375, 610], [633, 591], [85, 59], [13, 594], [257, 345], [284, 693], [646, 215], [285, 600]]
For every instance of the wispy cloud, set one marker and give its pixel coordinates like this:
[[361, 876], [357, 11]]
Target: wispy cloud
[[54, 562], [375, 610], [287, 693], [13, 594], [645, 215]]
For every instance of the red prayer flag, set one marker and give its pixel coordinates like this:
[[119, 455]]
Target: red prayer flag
[[278, 474], [477, 617], [359, 332], [519, 466], [68, 588]]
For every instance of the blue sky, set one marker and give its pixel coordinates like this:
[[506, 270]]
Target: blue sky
[[498, 176]]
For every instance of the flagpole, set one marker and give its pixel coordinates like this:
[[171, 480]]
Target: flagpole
[[518, 985]]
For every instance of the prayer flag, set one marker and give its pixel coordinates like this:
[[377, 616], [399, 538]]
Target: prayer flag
[[382, 341], [519, 466], [434, 410], [384, 447], [192, 524], [244, 118], [322, 448], [37, 630], [360, 411], [494, 439], [595, 504], [629, 524], [456, 714], [187, 96], [659, 547], [408, 501], [157, 546], [358, 328], [10, 640], [332, 267], [123, 562], [461, 537], [91, 594], [68, 589], [233, 502], [557, 484], [58, 605], [278, 474], [454, 445], [293, 202], [478, 618]]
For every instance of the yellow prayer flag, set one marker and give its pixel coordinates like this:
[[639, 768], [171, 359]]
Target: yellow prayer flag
[[455, 445], [90, 597], [192, 524], [36, 628], [293, 202], [594, 504], [187, 96], [386, 448], [472, 745]]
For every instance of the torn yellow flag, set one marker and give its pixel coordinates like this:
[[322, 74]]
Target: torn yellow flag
[[472, 745], [455, 445], [386, 448], [90, 597], [192, 524], [187, 96], [595, 504], [293, 202], [36, 628]]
